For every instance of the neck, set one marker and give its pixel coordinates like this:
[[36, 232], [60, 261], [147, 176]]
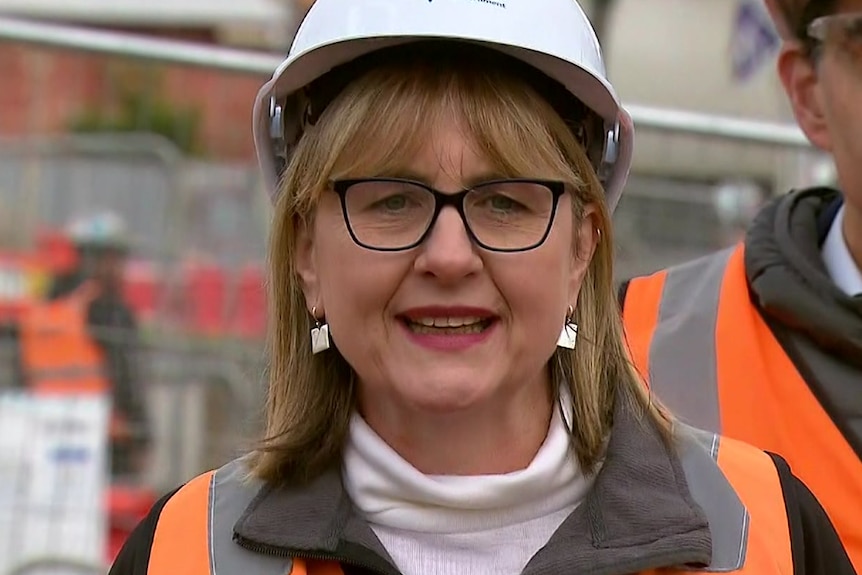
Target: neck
[[500, 436], [852, 230]]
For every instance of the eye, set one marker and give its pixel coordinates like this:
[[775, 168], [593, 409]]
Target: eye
[[394, 203], [502, 203]]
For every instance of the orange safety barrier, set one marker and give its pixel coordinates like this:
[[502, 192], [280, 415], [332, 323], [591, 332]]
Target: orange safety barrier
[[127, 506], [205, 297], [143, 289], [249, 309], [57, 251]]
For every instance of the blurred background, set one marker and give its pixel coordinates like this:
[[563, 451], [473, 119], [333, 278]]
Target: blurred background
[[160, 138]]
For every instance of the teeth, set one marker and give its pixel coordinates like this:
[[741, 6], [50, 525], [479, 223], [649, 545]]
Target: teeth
[[448, 321], [448, 325], [465, 329]]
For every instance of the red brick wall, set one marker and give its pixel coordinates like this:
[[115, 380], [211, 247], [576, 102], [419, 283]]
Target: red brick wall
[[44, 89]]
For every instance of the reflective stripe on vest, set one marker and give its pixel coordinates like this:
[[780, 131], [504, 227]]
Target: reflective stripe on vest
[[195, 528], [677, 336], [712, 359]]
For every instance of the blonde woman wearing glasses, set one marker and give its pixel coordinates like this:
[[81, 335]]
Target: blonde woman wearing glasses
[[449, 390]]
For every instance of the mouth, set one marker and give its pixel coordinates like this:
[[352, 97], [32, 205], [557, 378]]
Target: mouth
[[466, 325]]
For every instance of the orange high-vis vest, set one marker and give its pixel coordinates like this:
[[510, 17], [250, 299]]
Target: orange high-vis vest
[[194, 533], [57, 353], [714, 362]]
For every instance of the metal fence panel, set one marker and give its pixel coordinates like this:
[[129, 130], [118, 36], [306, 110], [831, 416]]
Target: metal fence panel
[[694, 188], [47, 181]]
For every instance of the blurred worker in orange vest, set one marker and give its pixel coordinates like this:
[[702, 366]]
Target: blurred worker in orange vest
[[83, 338], [763, 342], [24, 275]]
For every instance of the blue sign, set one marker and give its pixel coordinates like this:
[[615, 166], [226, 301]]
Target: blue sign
[[754, 39]]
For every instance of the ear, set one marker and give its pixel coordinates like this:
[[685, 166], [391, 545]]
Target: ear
[[306, 265], [588, 236], [798, 74]]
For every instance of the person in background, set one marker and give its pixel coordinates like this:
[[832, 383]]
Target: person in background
[[86, 308], [763, 341], [449, 390]]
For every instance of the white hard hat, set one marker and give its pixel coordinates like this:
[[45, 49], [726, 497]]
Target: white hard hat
[[553, 36], [104, 229]]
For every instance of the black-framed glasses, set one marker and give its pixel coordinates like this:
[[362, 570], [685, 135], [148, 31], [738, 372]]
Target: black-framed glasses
[[394, 214]]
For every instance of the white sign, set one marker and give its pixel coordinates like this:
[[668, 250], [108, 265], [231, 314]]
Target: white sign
[[53, 478]]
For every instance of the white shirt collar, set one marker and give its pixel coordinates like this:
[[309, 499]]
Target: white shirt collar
[[392, 493], [839, 263]]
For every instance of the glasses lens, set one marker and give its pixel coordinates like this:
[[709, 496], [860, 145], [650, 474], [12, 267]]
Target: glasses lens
[[843, 30], [509, 215], [852, 35], [388, 214]]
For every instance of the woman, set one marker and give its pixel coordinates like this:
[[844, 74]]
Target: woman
[[449, 390]]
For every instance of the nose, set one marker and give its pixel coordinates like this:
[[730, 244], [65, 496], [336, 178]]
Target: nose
[[448, 253]]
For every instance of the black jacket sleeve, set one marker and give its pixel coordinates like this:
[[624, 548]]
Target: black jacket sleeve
[[113, 326], [134, 557], [816, 548]]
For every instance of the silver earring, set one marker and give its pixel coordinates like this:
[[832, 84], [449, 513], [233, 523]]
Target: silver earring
[[319, 334], [569, 334]]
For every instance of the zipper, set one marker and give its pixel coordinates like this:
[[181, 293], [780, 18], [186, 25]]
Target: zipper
[[282, 552]]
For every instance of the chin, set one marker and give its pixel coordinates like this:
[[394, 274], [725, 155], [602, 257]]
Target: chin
[[446, 394]]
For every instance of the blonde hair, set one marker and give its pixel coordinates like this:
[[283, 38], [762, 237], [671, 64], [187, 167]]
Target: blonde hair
[[311, 397]]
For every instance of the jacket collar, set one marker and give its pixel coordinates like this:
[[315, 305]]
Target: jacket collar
[[639, 515], [788, 279]]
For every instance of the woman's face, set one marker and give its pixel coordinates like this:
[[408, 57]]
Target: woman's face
[[380, 305]]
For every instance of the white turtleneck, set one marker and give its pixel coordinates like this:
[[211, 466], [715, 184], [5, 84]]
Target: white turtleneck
[[488, 524]]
